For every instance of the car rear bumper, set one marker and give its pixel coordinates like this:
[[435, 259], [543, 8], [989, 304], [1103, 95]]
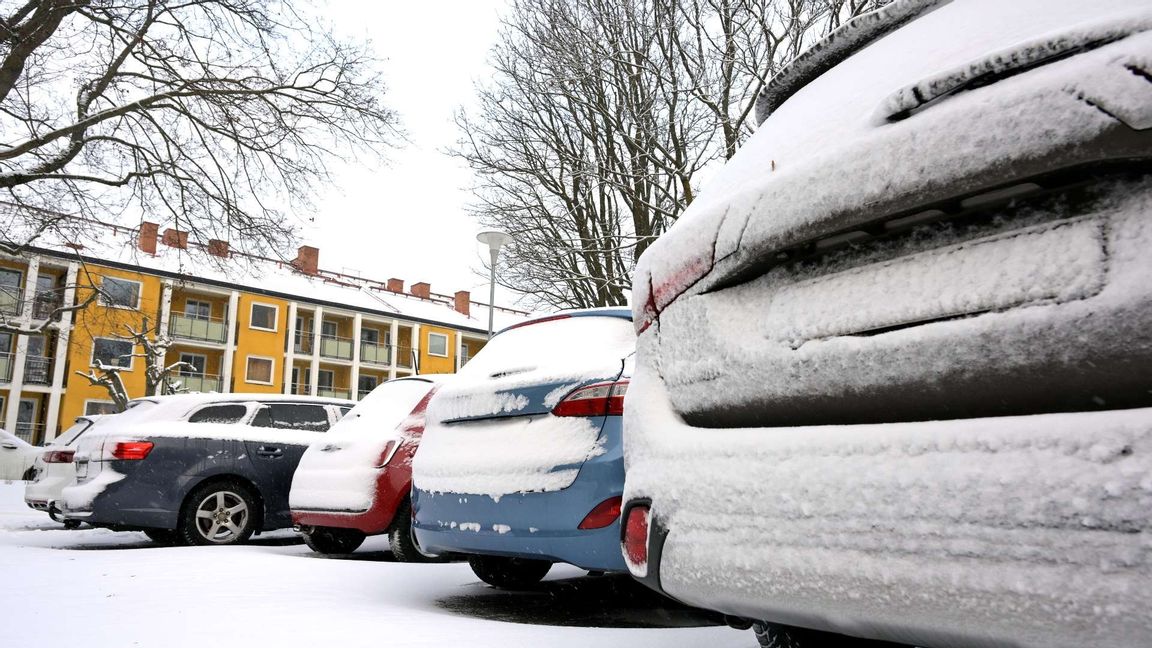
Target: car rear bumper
[[1028, 531], [110, 500], [530, 525]]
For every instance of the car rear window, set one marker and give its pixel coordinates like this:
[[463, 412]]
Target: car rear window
[[233, 413], [567, 346]]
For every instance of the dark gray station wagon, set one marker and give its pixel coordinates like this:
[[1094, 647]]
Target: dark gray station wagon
[[197, 468]]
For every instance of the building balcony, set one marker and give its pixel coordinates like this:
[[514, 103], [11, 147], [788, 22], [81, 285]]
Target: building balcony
[[334, 347], [202, 383], [301, 389], [37, 370], [334, 392], [404, 357], [45, 305], [377, 354], [200, 329], [5, 367]]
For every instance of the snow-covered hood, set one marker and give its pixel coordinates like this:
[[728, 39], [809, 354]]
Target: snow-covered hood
[[902, 123]]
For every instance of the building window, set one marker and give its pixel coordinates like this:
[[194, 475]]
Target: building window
[[120, 293], [194, 364], [99, 407], [366, 385], [10, 281], [197, 309], [438, 345], [259, 370], [264, 317], [325, 379], [116, 353]]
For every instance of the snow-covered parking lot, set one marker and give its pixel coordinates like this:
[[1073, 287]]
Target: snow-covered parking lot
[[97, 588]]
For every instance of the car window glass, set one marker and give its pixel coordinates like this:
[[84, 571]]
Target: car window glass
[[344, 411], [298, 416], [233, 413], [263, 418]]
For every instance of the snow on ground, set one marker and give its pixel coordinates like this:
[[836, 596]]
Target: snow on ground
[[98, 588]]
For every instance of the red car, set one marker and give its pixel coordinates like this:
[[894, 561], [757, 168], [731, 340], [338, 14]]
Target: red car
[[355, 482]]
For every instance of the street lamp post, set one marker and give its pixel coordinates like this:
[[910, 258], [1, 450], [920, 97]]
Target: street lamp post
[[494, 239]]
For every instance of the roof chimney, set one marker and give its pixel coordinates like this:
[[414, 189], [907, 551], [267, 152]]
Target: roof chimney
[[148, 233], [396, 285], [307, 259], [463, 301], [422, 290], [175, 238], [219, 248]]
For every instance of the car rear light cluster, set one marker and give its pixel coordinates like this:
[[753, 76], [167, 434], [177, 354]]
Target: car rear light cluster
[[59, 456], [131, 450], [594, 400], [636, 540], [602, 515]]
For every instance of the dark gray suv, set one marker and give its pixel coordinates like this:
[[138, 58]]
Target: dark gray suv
[[199, 468]]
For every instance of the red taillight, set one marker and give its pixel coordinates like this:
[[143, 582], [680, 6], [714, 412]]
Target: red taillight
[[131, 450], [594, 400], [636, 540], [604, 514], [59, 456], [656, 296]]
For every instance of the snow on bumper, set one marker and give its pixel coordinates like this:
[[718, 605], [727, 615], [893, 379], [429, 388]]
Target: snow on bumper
[[77, 500], [1030, 531]]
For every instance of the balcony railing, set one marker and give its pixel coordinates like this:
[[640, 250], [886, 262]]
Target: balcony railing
[[45, 304], [10, 300], [37, 370], [202, 329], [335, 347], [333, 392], [30, 432], [377, 354], [5, 367], [303, 343], [404, 357], [301, 389], [202, 383]]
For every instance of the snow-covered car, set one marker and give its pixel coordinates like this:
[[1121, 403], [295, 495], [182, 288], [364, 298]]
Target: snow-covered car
[[197, 468], [355, 482], [521, 463], [16, 456], [893, 363], [53, 469]]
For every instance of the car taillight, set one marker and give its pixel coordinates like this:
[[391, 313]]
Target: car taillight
[[131, 450], [636, 540], [594, 400], [59, 456], [602, 515], [655, 296]]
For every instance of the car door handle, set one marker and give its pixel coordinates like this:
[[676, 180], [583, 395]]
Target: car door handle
[[8, 446], [265, 451]]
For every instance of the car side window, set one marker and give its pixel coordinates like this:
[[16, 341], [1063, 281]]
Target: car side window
[[263, 418], [299, 416], [232, 413], [343, 412]]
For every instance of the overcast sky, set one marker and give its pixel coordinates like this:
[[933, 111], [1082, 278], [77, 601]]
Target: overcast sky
[[407, 220]]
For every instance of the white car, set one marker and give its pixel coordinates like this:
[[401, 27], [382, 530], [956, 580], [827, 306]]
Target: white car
[[893, 365], [53, 469], [16, 456]]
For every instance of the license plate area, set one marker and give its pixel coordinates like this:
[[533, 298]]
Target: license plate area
[[1052, 263], [82, 469]]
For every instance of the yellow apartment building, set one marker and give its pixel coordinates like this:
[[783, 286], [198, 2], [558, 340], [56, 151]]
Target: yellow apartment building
[[240, 323]]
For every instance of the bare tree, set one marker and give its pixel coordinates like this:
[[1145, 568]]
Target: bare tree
[[590, 137], [160, 376], [217, 116]]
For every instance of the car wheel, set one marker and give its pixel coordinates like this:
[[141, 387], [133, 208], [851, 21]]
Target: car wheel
[[509, 573], [773, 635], [400, 536], [162, 536], [219, 513], [333, 540]]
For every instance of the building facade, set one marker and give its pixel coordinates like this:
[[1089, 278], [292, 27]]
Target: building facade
[[278, 327]]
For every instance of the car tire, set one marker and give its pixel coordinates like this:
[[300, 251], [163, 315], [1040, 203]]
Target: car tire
[[400, 536], [509, 573], [166, 537], [218, 513], [774, 635], [334, 540]]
